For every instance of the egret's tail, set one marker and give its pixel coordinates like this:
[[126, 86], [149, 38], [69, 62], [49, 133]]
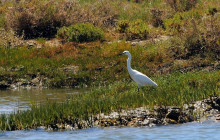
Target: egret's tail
[[154, 84]]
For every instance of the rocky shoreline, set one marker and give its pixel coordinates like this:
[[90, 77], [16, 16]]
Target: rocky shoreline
[[145, 117]]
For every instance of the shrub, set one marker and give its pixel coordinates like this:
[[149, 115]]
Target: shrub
[[137, 30], [181, 5], [122, 26], [174, 24], [101, 13], [178, 23], [133, 30], [35, 19], [136, 1], [80, 33], [2, 20], [201, 37], [204, 38], [156, 18]]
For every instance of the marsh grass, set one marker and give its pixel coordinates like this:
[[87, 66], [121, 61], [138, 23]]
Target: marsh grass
[[97, 63], [174, 90]]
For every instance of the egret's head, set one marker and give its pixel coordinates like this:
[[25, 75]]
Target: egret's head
[[126, 52]]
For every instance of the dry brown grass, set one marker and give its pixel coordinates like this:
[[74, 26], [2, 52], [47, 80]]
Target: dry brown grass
[[39, 19], [9, 39], [203, 38], [182, 5], [35, 18]]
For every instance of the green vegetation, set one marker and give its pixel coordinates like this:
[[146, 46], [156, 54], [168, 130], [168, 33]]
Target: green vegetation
[[94, 64], [91, 64], [133, 30], [175, 89], [80, 33]]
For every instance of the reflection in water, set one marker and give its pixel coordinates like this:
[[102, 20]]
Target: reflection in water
[[188, 131], [13, 100]]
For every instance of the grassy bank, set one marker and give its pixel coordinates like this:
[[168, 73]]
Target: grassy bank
[[174, 89], [92, 64]]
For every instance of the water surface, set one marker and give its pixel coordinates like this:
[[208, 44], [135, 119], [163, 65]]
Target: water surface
[[189, 131], [13, 100]]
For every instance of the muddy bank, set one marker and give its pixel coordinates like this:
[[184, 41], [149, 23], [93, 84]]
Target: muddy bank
[[37, 80], [146, 117]]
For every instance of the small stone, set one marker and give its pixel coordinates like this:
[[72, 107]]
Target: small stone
[[151, 124], [114, 115], [185, 106], [145, 122], [35, 81]]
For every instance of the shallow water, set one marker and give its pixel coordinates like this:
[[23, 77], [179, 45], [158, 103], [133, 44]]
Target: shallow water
[[189, 131], [13, 100]]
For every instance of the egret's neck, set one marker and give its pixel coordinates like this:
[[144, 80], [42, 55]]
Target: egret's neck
[[129, 62]]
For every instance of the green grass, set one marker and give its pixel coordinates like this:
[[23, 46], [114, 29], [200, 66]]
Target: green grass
[[174, 89], [98, 63]]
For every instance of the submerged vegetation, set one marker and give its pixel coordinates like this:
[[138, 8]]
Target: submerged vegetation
[[70, 43]]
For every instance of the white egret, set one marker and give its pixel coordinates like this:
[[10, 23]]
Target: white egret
[[138, 77]]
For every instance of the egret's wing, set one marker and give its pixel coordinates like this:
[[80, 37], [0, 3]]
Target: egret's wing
[[142, 79]]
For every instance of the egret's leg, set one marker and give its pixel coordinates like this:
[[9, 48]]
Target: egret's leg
[[138, 88]]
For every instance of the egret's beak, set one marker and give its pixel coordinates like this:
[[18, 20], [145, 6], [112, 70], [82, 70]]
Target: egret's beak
[[120, 54]]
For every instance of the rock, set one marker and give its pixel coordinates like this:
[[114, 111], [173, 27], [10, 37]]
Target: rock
[[2, 69], [217, 66], [123, 122], [36, 81], [31, 43], [69, 127], [114, 115], [218, 117], [152, 125], [23, 83], [173, 114], [150, 117], [53, 43], [217, 101], [73, 69], [170, 121], [216, 104], [146, 122], [4, 85], [185, 106], [16, 69]]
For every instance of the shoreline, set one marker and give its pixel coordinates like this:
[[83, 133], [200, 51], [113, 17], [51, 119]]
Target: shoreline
[[207, 109]]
